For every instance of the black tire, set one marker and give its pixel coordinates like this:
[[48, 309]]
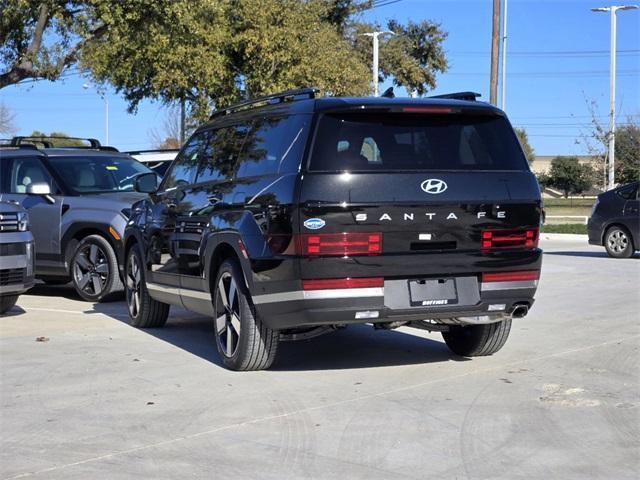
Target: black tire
[[144, 311], [94, 269], [618, 242], [477, 340], [7, 302], [254, 346]]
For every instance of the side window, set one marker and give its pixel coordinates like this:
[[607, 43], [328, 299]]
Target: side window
[[183, 169], [219, 158], [273, 144], [23, 172], [628, 193]]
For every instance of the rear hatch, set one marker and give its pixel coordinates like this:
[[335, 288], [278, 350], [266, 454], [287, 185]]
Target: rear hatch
[[439, 191]]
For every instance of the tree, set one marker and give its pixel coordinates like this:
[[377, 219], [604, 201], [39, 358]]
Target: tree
[[569, 175], [7, 126], [627, 161], [58, 139], [523, 138], [168, 137]]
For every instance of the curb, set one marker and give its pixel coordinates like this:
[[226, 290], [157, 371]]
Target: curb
[[573, 237]]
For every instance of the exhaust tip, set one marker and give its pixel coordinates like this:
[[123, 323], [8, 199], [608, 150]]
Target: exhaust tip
[[520, 311]]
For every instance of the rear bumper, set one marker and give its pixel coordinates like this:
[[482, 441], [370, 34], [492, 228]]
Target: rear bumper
[[390, 303]]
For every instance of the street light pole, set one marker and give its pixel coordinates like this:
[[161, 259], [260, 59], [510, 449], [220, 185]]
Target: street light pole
[[376, 45], [612, 88]]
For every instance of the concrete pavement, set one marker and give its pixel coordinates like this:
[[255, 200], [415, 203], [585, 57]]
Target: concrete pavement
[[100, 399]]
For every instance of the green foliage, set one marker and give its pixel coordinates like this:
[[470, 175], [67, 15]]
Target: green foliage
[[575, 228], [58, 139], [529, 152], [569, 175], [627, 162]]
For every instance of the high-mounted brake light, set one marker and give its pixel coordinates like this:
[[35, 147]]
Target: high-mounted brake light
[[427, 110], [519, 276], [505, 239], [339, 283], [340, 244]]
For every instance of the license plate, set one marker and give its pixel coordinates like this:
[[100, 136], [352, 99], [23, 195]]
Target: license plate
[[433, 292]]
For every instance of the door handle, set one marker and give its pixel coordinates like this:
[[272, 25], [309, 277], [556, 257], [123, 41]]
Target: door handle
[[213, 199]]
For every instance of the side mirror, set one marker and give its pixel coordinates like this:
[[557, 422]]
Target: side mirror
[[41, 189], [146, 183]]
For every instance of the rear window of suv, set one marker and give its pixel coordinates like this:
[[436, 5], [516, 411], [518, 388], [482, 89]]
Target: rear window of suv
[[408, 141]]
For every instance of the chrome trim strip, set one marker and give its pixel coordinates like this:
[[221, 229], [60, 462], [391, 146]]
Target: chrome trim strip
[[491, 286], [187, 292], [155, 287], [319, 295], [14, 261]]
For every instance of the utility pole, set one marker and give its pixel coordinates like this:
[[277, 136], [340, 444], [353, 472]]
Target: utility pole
[[503, 103], [375, 36], [183, 121], [612, 88], [495, 52]]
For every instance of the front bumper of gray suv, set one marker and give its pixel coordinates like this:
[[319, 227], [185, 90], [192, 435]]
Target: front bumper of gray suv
[[16, 262]]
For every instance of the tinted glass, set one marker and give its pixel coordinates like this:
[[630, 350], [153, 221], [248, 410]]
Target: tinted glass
[[184, 167], [98, 174], [401, 141], [23, 171], [629, 192], [220, 154], [271, 144]]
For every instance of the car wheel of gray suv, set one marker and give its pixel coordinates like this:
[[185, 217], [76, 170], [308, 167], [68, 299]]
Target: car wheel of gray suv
[[7, 302], [243, 341], [618, 242], [94, 269], [477, 340], [144, 311]]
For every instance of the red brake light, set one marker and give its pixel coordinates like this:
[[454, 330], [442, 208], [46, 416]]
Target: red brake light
[[336, 283], [501, 239], [427, 110], [519, 276], [341, 244]]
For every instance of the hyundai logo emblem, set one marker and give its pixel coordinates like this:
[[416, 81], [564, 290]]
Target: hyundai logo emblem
[[433, 186]]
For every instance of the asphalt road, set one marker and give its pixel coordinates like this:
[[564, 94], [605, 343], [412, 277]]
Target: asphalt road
[[100, 399]]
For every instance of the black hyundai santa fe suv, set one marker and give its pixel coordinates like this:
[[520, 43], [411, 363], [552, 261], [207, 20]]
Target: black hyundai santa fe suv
[[290, 216]]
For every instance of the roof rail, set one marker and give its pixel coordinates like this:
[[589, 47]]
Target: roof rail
[[24, 146], [281, 97], [470, 96], [46, 142]]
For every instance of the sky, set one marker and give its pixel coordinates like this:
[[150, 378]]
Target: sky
[[557, 62]]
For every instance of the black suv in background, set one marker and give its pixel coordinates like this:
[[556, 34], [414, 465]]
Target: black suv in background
[[290, 216], [615, 221], [78, 200]]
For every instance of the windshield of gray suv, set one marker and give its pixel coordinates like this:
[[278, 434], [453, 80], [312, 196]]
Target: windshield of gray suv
[[98, 174]]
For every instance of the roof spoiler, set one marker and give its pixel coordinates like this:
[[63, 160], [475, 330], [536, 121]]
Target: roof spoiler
[[469, 96]]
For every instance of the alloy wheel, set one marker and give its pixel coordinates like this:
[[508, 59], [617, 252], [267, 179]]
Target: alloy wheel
[[618, 241], [91, 269], [228, 315], [133, 286]]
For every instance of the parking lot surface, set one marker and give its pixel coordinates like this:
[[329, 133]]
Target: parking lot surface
[[86, 396]]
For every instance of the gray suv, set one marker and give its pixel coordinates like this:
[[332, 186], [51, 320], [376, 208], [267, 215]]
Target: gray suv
[[78, 200], [16, 252]]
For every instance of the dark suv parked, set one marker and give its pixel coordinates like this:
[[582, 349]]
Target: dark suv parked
[[78, 200], [615, 221], [291, 215]]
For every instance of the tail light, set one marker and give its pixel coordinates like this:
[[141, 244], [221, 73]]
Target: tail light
[[519, 276], [339, 244], [509, 239], [338, 283]]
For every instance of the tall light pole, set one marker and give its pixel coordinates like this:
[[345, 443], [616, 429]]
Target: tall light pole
[[103, 96], [503, 103], [375, 36], [612, 87]]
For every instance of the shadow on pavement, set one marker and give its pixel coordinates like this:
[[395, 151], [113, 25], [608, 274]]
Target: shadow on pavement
[[357, 346], [602, 254], [66, 291]]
